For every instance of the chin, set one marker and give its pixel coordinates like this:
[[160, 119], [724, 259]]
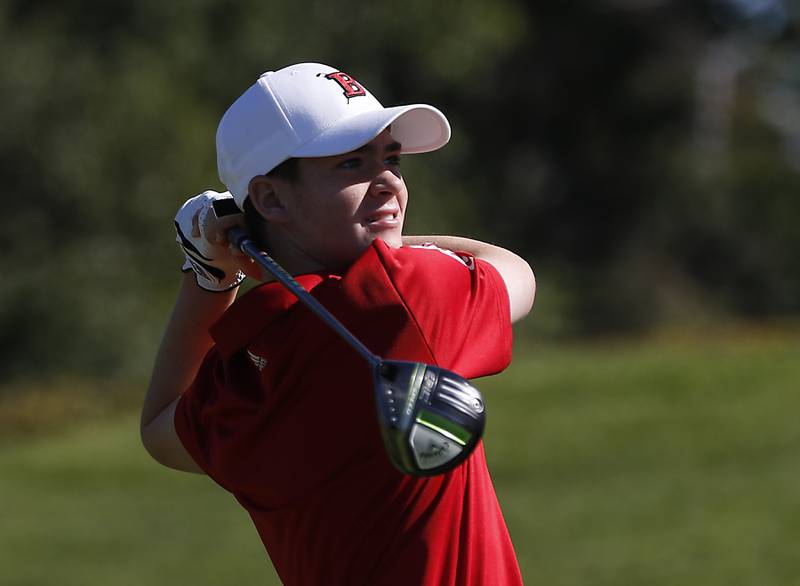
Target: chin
[[393, 239]]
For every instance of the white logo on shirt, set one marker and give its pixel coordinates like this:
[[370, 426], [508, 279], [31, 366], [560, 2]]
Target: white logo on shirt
[[258, 361], [465, 259]]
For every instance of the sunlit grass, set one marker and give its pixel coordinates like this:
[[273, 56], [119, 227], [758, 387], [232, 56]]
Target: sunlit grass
[[88, 507], [669, 461], [660, 463]]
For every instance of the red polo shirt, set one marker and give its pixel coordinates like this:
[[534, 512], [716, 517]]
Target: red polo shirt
[[281, 414]]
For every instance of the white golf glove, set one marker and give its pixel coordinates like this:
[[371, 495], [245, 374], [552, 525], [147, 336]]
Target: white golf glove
[[215, 267]]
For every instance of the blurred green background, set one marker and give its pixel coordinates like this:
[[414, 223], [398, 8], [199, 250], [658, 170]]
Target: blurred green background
[[644, 155]]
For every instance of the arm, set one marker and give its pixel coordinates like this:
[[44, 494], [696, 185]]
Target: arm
[[515, 271], [183, 347], [202, 299]]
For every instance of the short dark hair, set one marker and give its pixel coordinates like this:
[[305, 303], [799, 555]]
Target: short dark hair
[[255, 224], [288, 170]]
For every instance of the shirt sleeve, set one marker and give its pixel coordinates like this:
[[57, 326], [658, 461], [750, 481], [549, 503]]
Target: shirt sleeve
[[460, 304], [207, 421], [189, 418]]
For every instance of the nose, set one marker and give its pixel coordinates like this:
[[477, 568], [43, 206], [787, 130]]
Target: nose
[[386, 183]]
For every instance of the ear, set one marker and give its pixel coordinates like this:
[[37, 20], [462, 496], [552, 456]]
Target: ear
[[266, 199]]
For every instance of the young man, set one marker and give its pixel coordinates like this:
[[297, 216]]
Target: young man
[[271, 404]]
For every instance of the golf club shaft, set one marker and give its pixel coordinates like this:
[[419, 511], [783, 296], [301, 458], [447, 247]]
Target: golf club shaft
[[242, 240]]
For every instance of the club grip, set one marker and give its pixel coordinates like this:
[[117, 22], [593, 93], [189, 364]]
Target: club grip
[[237, 236]]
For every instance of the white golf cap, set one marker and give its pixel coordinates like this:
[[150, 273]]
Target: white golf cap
[[312, 110]]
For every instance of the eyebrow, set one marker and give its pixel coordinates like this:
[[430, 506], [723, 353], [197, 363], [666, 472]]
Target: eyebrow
[[392, 146]]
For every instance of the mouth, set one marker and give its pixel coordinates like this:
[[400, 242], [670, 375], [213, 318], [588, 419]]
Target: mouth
[[382, 220]]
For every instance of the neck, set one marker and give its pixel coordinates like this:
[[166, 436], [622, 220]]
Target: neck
[[286, 253]]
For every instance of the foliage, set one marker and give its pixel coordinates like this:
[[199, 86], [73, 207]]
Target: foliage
[[575, 129]]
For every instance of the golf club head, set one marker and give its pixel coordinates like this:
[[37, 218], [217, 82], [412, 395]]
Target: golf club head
[[430, 418]]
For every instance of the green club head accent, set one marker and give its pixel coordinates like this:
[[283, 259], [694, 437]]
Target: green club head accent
[[431, 419]]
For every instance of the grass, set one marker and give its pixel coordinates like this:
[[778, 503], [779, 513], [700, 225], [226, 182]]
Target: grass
[[667, 462], [88, 507]]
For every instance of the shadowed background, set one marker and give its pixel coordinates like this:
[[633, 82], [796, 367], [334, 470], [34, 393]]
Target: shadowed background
[[643, 155]]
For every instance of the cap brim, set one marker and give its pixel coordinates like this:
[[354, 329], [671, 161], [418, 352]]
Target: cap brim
[[419, 128]]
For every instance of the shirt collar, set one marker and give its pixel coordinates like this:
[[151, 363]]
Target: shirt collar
[[254, 311]]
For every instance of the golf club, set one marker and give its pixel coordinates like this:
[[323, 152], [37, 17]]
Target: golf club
[[430, 418]]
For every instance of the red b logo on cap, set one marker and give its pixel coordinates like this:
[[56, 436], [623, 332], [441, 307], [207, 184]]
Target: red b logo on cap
[[350, 86]]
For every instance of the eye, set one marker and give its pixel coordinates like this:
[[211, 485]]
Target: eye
[[394, 160], [351, 163]]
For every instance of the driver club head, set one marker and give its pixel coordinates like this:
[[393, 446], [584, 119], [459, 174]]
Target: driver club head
[[430, 418]]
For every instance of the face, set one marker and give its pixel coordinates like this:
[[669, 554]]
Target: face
[[340, 204]]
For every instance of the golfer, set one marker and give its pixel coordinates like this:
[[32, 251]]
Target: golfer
[[264, 398]]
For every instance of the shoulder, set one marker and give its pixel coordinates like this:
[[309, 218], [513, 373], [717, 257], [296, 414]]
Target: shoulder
[[433, 253], [424, 257]]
